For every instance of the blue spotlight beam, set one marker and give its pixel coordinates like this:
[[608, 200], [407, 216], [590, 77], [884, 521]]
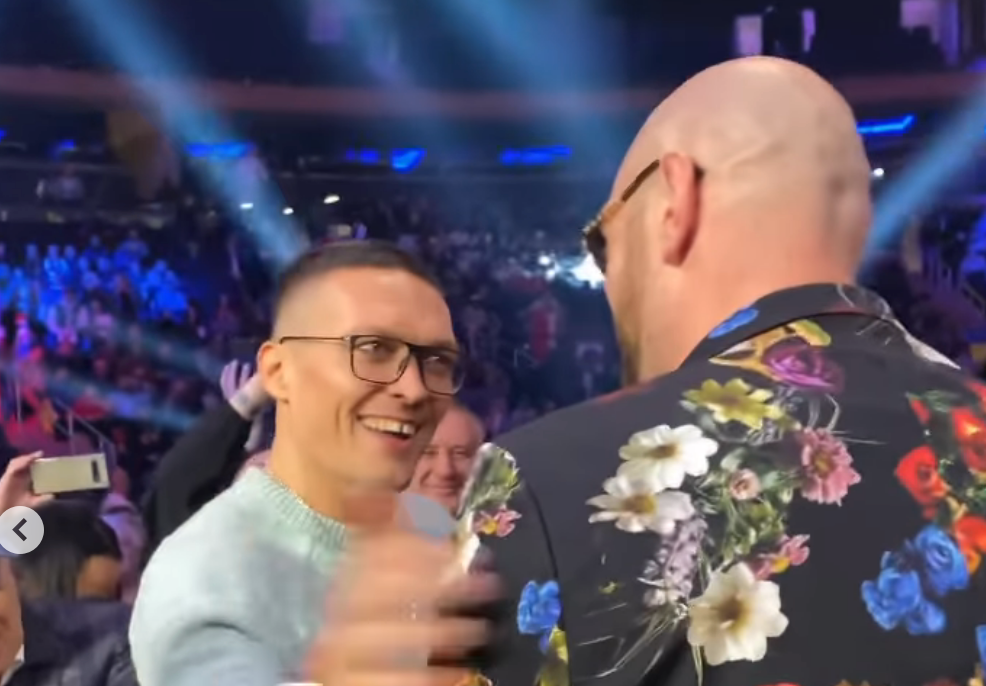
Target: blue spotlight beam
[[952, 149], [129, 38]]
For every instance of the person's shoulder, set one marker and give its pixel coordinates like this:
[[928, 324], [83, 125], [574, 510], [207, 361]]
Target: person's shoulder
[[204, 553], [619, 412], [207, 574], [79, 619]]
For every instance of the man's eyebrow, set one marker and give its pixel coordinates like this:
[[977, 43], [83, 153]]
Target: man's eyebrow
[[451, 345]]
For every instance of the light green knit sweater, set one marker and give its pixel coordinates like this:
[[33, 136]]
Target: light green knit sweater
[[237, 595]]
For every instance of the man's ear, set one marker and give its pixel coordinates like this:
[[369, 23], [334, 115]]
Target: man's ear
[[272, 368], [681, 216]]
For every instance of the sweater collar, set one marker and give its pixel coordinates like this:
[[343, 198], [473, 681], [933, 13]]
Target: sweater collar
[[323, 532]]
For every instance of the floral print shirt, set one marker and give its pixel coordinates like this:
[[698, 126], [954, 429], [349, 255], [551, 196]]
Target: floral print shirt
[[802, 502]]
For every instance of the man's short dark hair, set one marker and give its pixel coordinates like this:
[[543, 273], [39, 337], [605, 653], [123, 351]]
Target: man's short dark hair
[[332, 257]]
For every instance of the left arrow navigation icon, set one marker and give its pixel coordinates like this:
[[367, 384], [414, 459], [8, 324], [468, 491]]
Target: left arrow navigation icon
[[21, 530]]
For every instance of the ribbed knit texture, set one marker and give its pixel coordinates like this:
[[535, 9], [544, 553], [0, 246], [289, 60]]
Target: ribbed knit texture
[[236, 596]]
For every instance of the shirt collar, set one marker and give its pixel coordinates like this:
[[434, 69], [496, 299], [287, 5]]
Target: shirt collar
[[788, 305], [15, 665]]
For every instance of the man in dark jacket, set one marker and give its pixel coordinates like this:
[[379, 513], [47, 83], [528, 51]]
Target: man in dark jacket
[[54, 643], [791, 490], [205, 460], [74, 642]]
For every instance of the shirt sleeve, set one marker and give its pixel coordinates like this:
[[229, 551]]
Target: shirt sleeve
[[197, 468], [505, 519]]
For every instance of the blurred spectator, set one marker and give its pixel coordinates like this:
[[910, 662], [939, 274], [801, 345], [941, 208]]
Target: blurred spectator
[[124, 517], [56, 641], [445, 465], [79, 556]]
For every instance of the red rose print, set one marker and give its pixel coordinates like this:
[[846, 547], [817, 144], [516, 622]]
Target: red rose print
[[918, 472], [970, 431], [920, 409], [980, 390], [970, 533]]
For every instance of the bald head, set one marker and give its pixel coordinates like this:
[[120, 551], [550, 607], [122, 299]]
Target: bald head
[[763, 184], [758, 125]]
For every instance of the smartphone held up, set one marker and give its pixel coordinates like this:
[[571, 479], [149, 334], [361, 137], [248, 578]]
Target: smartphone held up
[[69, 473]]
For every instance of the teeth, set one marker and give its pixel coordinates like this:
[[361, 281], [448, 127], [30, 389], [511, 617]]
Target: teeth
[[391, 426]]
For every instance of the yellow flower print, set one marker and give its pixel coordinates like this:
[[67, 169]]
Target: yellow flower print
[[735, 401], [554, 671], [811, 332], [474, 679]]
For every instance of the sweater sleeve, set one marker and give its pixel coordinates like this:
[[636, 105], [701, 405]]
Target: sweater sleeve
[[197, 468], [194, 622]]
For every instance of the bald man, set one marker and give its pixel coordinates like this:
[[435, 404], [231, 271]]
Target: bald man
[[791, 489]]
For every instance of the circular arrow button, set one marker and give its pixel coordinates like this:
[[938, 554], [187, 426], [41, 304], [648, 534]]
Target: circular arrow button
[[21, 530]]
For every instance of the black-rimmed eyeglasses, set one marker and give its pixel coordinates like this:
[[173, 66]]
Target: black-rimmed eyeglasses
[[383, 360]]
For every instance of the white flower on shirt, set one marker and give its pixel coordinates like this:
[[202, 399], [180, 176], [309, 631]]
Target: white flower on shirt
[[735, 616], [636, 508], [662, 456]]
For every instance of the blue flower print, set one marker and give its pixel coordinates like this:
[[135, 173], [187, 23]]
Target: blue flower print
[[942, 564], [895, 594], [929, 564], [927, 619], [741, 318], [981, 642], [539, 610]]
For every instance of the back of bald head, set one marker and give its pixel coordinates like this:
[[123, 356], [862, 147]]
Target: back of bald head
[[768, 134]]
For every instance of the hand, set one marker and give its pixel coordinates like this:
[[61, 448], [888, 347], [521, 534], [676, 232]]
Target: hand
[[15, 484], [243, 390], [399, 608]]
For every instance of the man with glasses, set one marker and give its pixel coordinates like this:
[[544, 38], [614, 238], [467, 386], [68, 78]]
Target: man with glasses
[[791, 490], [362, 365]]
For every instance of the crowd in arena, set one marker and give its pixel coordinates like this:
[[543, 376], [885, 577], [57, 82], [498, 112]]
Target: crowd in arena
[[127, 327]]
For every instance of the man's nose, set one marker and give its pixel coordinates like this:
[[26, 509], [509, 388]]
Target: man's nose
[[443, 465], [410, 385]]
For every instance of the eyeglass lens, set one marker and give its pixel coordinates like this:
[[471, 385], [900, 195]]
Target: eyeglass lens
[[384, 360]]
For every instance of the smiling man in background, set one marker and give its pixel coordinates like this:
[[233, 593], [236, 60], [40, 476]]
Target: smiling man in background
[[444, 468], [361, 365]]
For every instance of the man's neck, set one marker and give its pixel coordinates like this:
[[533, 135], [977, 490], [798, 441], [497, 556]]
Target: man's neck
[[319, 490]]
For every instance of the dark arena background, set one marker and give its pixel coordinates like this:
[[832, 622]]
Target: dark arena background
[[161, 160]]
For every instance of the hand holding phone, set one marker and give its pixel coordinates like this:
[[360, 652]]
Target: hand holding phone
[[15, 484]]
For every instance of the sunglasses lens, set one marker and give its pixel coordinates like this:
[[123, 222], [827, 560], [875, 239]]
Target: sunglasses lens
[[595, 245]]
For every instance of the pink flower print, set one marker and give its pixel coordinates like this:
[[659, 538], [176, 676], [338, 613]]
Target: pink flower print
[[791, 552], [744, 485], [498, 524], [827, 466]]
